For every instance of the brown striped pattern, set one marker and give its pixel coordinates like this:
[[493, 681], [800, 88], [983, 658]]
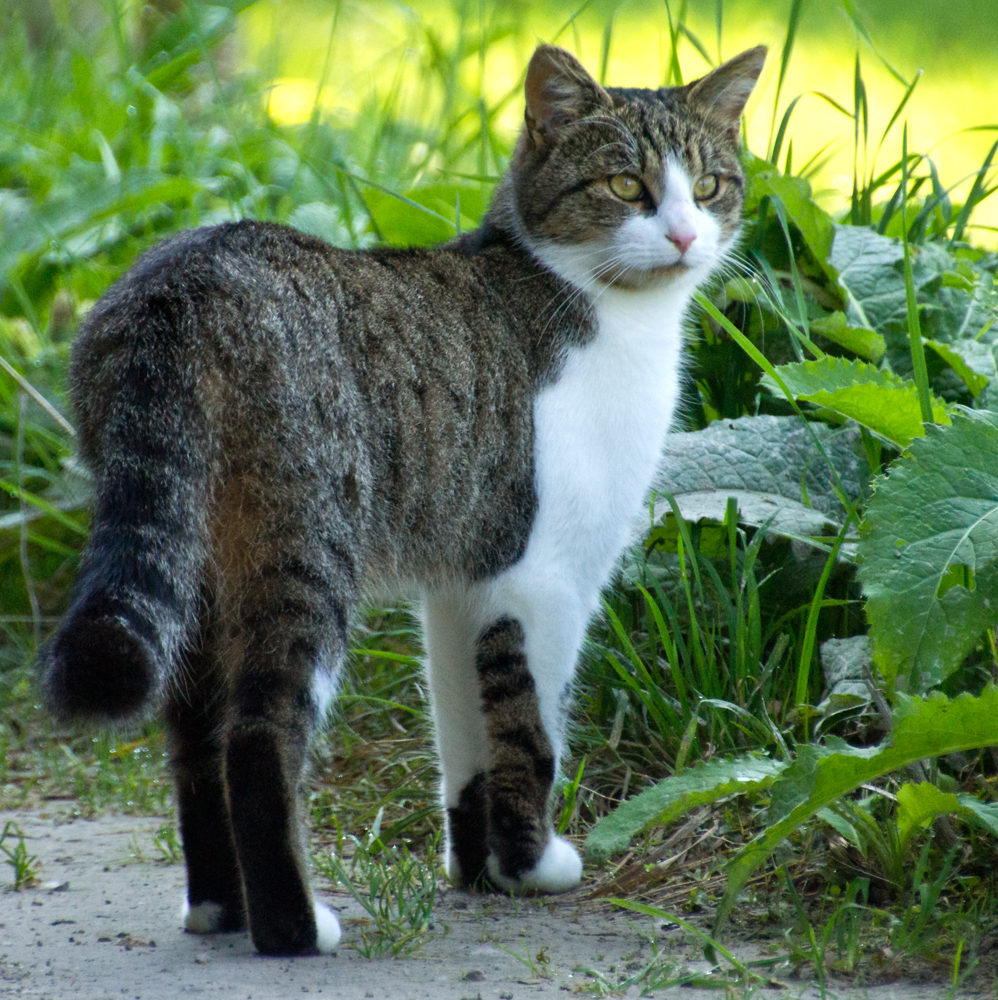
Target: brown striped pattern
[[521, 760]]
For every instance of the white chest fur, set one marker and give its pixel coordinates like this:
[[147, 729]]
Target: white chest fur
[[598, 434]]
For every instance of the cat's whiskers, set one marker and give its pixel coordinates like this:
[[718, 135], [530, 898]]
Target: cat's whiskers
[[578, 291], [574, 293]]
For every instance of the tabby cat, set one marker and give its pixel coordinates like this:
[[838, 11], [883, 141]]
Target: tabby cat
[[275, 426]]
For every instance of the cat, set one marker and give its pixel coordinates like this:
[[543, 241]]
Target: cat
[[275, 426]]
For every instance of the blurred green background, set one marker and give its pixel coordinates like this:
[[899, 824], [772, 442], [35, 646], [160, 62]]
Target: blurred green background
[[349, 57]]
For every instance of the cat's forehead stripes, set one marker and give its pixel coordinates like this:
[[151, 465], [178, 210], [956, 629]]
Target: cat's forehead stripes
[[563, 190]]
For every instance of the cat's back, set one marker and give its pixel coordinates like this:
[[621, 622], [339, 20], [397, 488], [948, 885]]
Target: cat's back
[[417, 367], [268, 277]]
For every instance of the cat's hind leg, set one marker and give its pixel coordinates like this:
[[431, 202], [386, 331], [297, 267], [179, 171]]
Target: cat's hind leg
[[286, 607], [195, 713], [452, 620]]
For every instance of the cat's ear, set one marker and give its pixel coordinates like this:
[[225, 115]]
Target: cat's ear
[[558, 91], [722, 93]]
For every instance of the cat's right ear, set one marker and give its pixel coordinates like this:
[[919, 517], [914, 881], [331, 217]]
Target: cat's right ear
[[558, 91]]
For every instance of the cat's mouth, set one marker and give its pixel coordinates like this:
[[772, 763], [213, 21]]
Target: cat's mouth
[[642, 277]]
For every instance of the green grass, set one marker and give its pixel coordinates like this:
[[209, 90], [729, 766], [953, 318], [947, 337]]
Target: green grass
[[113, 138]]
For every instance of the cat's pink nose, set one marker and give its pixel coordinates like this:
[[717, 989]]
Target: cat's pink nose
[[681, 238]]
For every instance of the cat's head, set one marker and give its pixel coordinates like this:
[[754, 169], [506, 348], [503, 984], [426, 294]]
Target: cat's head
[[630, 187]]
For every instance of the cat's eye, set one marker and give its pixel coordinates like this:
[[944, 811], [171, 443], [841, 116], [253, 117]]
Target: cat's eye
[[706, 187], [626, 187]]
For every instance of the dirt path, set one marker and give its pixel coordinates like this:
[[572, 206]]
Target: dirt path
[[104, 925]]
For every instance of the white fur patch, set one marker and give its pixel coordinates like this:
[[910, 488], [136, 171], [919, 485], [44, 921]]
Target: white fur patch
[[598, 434], [202, 918], [328, 927], [323, 690], [452, 620], [559, 870]]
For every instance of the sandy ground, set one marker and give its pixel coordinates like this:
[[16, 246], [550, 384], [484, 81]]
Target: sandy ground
[[104, 924]]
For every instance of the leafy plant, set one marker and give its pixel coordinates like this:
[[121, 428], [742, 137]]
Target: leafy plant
[[817, 777], [929, 559], [395, 888], [168, 844], [23, 863]]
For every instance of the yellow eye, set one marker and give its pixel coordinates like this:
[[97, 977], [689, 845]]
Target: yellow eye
[[706, 187], [626, 187]]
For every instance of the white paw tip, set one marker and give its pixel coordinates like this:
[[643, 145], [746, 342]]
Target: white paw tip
[[327, 928], [559, 870], [201, 918], [452, 867]]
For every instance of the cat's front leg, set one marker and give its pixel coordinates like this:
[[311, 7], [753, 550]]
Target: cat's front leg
[[452, 620], [524, 674]]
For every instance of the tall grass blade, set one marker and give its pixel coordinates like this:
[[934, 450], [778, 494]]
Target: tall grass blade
[[902, 104], [811, 629], [976, 196], [788, 47], [696, 43], [862, 207], [37, 396], [655, 706], [604, 52], [850, 8], [774, 153], [674, 76], [921, 373], [781, 214], [669, 646]]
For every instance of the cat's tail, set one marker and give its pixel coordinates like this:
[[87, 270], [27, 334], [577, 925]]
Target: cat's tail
[[142, 405]]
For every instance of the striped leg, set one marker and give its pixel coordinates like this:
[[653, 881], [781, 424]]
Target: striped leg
[[285, 600], [288, 631], [524, 712]]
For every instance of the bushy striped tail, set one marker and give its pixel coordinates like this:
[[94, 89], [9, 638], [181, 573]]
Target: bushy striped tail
[[145, 432]]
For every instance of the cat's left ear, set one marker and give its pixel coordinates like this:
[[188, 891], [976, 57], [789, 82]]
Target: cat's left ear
[[722, 93], [558, 91]]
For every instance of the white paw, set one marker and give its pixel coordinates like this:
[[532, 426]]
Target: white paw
[[559, 870], [202, 918], [328, 927]]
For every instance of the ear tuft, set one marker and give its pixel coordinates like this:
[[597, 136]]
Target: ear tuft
[[558, 91], [722, 93]]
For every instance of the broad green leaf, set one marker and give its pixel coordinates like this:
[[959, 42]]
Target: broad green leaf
[[770, 466], [766, 457], [929, 727], [786, 517], [956, 297], [844, 663], [919, 804], [929, 553], [873, 397], [866, 343], [973, 361], [814, 223], [710, 782]]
